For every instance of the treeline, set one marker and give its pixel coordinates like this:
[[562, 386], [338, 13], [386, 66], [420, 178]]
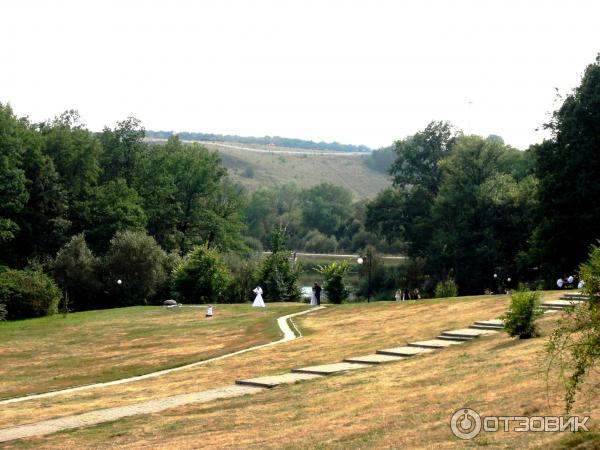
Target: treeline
[[265, 140], [487, 216], [321, 219]]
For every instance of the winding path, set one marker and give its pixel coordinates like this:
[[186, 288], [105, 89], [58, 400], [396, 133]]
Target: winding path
[[282, 322]]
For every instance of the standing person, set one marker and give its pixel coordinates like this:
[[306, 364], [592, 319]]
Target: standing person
[[560, 283], [398, 295], [317, 290], [406, 294], [313, 297], [570, 281], [209, 311], [581, 284], [258, 301]]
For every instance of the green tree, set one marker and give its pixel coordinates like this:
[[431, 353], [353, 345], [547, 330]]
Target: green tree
[[326, 207], [113, 207], [138, 261], [568, 169], [202, 277], [279, 274], [13, 183], [77, 271], [334, 274]]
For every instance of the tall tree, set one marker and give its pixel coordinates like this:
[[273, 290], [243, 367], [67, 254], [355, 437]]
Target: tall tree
[[568, 168]]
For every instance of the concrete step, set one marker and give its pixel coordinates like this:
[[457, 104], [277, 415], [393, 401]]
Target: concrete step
[[329, 369], [434, 343], [563, 303], [493, 322], [467, 332], [374, 358], [444, 337], [404, 351], [275, 380], [575, 295], [487, 327]]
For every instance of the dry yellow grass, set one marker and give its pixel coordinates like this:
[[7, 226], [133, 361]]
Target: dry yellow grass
[[407, 404]]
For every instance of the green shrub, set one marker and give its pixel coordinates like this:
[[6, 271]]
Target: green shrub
[[138, 261], [202, 277], [334, 281], [77, 271], [523, 311], [279, 274], [446, 288], [244, 277], [28, 293]]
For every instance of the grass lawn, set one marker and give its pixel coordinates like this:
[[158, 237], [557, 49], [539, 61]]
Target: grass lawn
[[39, 355], [407, 404]]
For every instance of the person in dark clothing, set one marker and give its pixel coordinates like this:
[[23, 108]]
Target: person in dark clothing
[[317, 290]]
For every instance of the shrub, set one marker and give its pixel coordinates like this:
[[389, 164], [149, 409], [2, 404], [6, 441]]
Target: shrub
[[202, 277], [522, 314], [334, 281], [279, 274], [446, 288], [76, 270], [245, 273], [318, 242], [138, 261], [28, 293]]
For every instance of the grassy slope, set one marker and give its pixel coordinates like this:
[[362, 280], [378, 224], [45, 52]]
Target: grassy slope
[[401, 405], [38, 355], [274, 169]]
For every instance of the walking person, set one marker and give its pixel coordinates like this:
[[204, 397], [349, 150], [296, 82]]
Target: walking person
[[258, 300], [317, 291]]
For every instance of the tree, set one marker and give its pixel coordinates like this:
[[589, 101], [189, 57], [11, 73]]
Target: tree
[[326, 207], [334, 281], [77, 271], [114, 207], [123, 147], [568, 169], [13, 183], [202, 277], [278, 274], [138, 261]]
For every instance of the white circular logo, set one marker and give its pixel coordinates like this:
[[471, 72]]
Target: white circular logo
[[465, 423]]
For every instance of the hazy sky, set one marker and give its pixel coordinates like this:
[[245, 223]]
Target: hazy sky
[[359, 72]]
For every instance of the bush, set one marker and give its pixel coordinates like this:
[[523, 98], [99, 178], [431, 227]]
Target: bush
[[245, 274], [279, 274], [523, 311], [446, 288], [77, 271], [28, 293], [319, 243], [202, 277], [138, 261], [334, 281]]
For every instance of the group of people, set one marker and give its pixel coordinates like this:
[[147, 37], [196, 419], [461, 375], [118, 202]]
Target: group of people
[[569, 283], [402, 295]]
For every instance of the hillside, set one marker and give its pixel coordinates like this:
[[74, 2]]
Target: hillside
[[255, 166]]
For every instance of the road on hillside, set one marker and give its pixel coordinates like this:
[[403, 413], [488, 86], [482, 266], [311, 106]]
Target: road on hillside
[[283, 152]]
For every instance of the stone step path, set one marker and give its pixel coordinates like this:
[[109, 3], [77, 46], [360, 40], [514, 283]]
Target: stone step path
[[330, 369], [111, 414], [272, 381], [375, 358], [282, 322], [575, 296], [494, 324], [560, 304], [404, 351], [243, 387]]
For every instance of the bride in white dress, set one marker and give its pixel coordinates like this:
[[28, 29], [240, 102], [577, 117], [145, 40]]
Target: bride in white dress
[[313, 298], [258, 301]]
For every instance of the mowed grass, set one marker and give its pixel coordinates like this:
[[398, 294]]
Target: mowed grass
[[349, 171], [39, 355], [407, 404]]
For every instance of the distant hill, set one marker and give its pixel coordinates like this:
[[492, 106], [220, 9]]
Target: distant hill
[[265, 166], [276, 141]]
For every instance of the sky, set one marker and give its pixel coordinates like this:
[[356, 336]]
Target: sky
[[356, 72]]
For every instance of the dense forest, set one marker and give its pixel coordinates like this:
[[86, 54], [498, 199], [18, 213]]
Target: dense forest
[[265, 140], [91, 220]]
